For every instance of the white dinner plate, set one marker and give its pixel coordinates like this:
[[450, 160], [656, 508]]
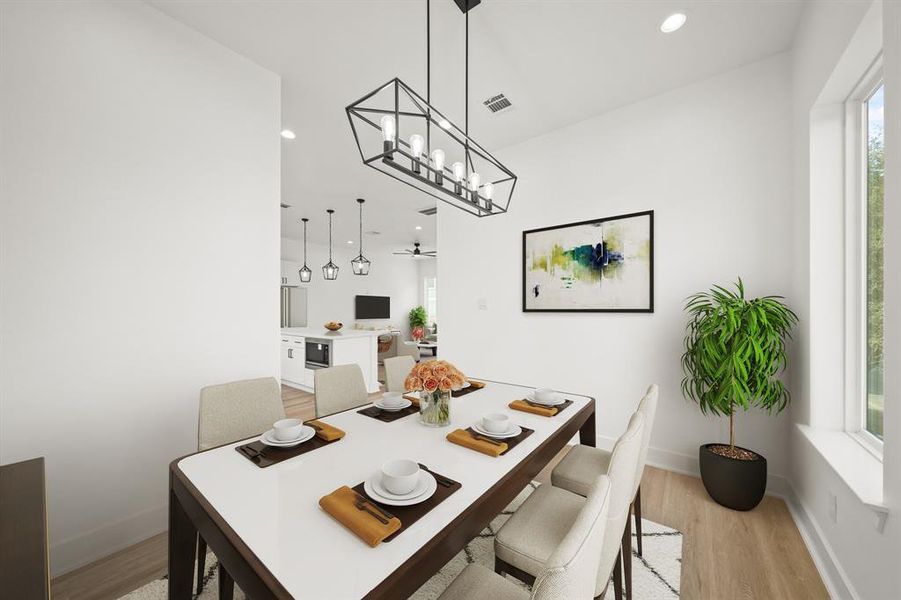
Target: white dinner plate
[[559, 400], [424, 490], [381, 406], [465, 385], [306, 433], [514, 431]]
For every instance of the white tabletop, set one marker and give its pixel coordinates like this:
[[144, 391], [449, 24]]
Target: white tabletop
[[276, 512]]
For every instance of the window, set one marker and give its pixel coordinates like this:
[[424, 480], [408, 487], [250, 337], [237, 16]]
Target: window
[[430, 293], [875, 236]]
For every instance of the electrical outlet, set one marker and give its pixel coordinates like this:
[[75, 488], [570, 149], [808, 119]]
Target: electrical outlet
[[833, 507], [483, 303]]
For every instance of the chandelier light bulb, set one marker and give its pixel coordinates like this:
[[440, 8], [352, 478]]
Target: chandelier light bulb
[[417, 143], [389, 133], [458, 170], [488, 194], [438, 164], [474, 180]]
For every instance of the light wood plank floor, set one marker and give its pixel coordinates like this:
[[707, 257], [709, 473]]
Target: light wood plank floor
[[725, 554]]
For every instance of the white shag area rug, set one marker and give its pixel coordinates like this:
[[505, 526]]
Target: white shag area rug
[[655, 576]]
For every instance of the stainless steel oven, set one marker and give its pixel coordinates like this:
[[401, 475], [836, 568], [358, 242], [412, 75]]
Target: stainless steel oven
[[318, 354]]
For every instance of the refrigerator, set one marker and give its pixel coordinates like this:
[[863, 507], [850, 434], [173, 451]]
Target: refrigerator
[[294, 306]]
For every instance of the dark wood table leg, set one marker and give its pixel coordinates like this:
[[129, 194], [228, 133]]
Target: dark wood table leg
[[182, 541], [587, 433]]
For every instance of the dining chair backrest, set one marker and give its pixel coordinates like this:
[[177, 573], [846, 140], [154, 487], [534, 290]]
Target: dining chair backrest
[[647, 407], [572, 568], [621, 471], [237, 410], [396, 371], [338, 388]]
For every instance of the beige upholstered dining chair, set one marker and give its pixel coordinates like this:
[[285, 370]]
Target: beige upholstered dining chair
[[231, 412], [578, 468], [339, 388], [525, 542], [396, 371], [569, 572]]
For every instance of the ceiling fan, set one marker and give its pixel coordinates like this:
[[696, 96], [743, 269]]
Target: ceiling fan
[[417, 253]]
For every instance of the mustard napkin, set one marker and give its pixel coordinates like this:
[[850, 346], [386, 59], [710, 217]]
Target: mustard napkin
[[476, 384], [524, 406], [325, 431], [412, 399], [341, 505], [465, 439]]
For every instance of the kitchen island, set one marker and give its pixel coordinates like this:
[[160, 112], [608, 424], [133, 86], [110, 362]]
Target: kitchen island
[[327, 349]]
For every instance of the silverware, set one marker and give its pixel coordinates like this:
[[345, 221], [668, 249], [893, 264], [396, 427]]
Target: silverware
[[439, 478], [365, 508], [535, 404], [364, 500], [485, 439]]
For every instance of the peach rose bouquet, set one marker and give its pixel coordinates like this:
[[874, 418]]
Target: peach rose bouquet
[[434, 380]]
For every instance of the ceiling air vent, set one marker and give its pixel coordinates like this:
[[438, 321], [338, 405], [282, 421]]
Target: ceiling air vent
[[498, 103], [429, 211]]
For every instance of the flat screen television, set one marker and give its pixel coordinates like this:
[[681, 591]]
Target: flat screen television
[[373, 307]]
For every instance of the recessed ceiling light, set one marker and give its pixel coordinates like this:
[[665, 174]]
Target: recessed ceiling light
[[445, 124], [350, 241], [418, 227], [288, 134], [673, 22]]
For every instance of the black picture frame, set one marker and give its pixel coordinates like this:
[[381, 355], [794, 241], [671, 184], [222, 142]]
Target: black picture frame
[[648, 309]]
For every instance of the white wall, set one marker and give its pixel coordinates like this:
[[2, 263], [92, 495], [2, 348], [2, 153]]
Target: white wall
[[857, 560], [428, 268], [389, 275], [713, 160], [139, 242]]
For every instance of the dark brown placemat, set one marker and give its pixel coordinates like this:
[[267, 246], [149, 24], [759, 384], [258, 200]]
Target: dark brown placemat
[[265, 456], [387, 416], [410, 514], [511, 442], [469, 390]]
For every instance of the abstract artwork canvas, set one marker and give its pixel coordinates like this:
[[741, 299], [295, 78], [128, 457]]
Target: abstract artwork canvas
[[603, 265]]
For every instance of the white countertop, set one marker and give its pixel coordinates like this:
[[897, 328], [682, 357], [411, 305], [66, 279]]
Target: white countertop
[[322, 332], [275, 510]]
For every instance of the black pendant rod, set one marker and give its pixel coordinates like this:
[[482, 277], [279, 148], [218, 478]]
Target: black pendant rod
[[330, 211], [304, 240], [360, 200], [428, 78], [468, 159]]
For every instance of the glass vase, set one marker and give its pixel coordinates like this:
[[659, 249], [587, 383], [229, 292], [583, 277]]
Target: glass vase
[[434, 408]]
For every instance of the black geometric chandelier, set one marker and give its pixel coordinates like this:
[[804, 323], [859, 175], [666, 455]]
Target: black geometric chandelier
[[360, 264], [306, 274], [330, 269], [400, 133]]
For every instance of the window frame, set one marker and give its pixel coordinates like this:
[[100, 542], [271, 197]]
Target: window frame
[[856, 165]]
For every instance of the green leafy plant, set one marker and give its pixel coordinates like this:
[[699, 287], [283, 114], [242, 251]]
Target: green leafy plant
[[734, 349], [417, 317]]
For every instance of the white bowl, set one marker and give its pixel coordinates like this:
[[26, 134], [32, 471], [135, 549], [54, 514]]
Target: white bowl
[[392, 399], [496, 423], [400, 476], [286, 430], [545, 396]]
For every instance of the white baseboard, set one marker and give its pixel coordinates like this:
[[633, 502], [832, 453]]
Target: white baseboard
[[834, 578], [84, 548]]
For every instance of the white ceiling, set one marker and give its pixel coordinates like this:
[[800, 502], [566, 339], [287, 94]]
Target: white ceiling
[[559, 62]]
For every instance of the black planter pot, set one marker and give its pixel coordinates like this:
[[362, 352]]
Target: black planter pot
[[733, 483]]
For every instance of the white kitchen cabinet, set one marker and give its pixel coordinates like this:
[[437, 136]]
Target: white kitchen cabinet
[[290, 273], [293, 368]]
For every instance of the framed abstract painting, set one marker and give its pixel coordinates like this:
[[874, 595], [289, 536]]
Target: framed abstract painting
[[602, 265]]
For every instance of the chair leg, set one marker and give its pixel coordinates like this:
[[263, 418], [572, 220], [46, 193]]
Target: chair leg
[[201, 562], [226, 584], [626, 552], [636, 504], [499, 566], [618, 577]]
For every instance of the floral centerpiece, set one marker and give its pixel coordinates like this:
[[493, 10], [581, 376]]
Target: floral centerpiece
[[434, 380], [418, 333]]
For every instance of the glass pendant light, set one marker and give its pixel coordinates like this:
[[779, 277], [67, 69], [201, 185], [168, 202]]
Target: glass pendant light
[[488, 193], [330, 270], [438, 163], [360, 264], [306, 274]]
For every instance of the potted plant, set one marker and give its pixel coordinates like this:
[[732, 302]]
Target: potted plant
[[734, 350], [417, 318]]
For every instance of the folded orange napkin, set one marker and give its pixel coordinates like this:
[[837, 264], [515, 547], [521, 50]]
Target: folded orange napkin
[[325, 431], [341, 505], [476, 384], [465, 438], [412, 399], [524, 406]]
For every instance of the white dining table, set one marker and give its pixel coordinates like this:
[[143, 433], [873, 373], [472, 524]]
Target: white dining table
[[267, 529]]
